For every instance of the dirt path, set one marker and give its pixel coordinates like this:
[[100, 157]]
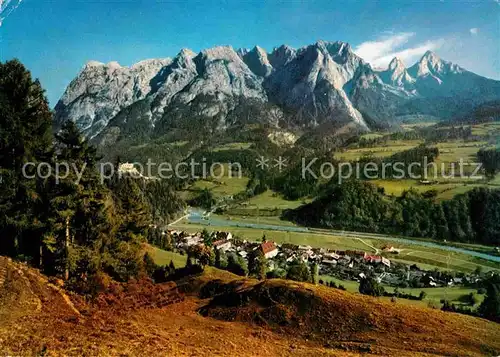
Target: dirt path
[[369, 245]]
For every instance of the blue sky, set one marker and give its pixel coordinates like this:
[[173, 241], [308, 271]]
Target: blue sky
[[54, 39]]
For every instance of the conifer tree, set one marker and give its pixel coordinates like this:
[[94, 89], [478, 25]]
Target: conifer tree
[[315, 273], [25, 136]]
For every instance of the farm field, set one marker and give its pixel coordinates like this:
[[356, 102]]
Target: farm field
[[299, 238], [272, 220], [371, 136], [432, 299], [226, 186], [430, 257], [267, 204], [384, 150], [492, 129], [445, 190], [232, 146], [272, 200], [422, 124], [163, 257]]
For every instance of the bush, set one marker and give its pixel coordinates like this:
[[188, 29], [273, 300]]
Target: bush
[[370, 286], [276, 274], [298, 272], [237, 265], [149, 265], [91, 285], [469, 299]]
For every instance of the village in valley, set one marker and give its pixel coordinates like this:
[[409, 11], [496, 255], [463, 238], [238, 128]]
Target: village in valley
[[353, 265]]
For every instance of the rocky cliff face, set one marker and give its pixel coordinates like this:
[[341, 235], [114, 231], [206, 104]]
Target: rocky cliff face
[[101, 90], [320, 83]]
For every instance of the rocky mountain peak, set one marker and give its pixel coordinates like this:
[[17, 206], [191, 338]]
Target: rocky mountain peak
[[220, 53], [336, 48], [281, 56], [396, 65], [184, 57], [187, 52], [93, 64], [429, 63], [257, 61], [397, 75], [430, 57]]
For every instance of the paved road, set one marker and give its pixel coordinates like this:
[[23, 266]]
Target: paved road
[[198, 217]]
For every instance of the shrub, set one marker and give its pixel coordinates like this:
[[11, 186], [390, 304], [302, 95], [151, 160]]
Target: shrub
[[370, 286], [298, 272]]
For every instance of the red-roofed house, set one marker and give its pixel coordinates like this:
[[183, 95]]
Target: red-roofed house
[[373, 259], [269, 249]]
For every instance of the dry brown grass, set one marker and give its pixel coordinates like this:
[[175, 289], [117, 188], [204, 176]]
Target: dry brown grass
[[336, 318], [36, 319]]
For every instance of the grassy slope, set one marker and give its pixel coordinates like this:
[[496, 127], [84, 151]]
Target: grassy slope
[[163, 257], [336, 318], [37, 319], [450, 151]]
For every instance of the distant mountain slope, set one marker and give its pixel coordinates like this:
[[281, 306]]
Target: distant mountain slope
[[320, 83]]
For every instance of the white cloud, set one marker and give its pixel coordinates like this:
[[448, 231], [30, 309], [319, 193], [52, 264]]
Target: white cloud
[[7, 8], [379, 53], [474, 31]]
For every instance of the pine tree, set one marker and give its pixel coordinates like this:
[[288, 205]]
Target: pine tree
[[257, 264], [315, 273], [207, 237], [441, 225], [220, 259], [299, 271], [81, 211], [189, 262], [171, 267], [25, 136], [132, 207], [490, 307]]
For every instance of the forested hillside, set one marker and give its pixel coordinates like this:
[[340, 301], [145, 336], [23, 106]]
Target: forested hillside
[[358, 205], [71, 223]]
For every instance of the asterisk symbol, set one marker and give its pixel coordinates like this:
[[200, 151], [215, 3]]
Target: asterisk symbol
[[262, 163], [280, 163]]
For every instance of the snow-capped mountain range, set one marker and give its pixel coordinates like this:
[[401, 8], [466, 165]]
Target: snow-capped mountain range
[[322, 82]]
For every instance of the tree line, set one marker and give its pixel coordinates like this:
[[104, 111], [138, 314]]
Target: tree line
[[472, 217]]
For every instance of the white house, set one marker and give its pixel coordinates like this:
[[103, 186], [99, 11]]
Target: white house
[[193, 240], [333, 256], [223, 245], [386, 262], [269, 249], [329, 261]]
